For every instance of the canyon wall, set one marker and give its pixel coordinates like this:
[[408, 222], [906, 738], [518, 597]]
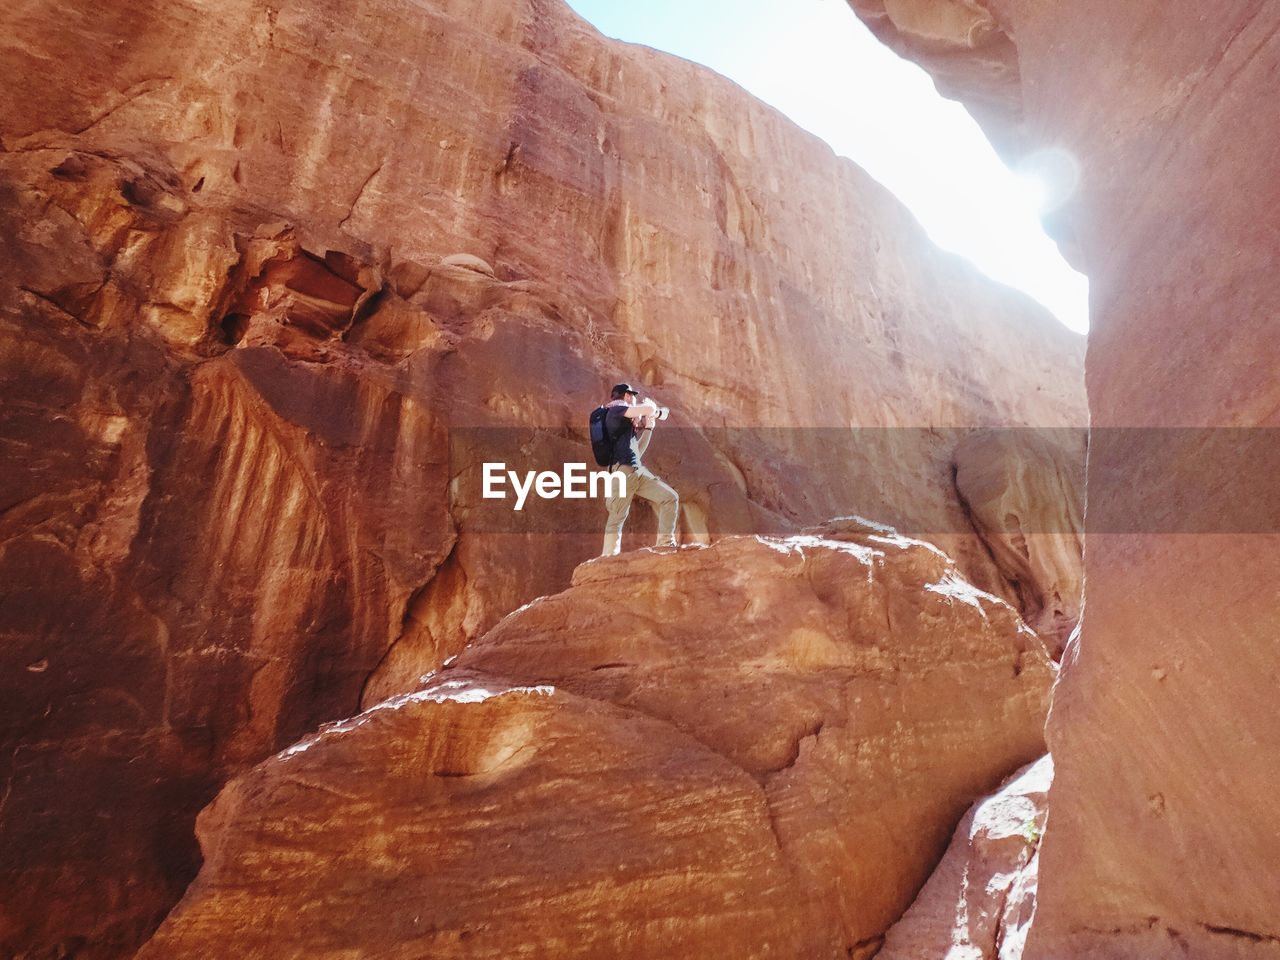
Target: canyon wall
[[271, 270], [1160, 838]]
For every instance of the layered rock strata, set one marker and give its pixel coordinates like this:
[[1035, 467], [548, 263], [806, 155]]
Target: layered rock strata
[[1158, 842], [757, 748], [269, 270]]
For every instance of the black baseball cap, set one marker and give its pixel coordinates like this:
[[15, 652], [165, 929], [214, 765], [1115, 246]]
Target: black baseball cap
[[620, 388]]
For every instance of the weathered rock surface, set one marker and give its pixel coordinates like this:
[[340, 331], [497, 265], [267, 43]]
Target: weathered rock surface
[[757, 748], [1024, 490], [965, 44], [979, 903], [1160, 841], [265, 265]]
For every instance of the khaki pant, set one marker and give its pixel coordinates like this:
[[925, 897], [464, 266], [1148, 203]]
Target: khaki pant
[[645, 484]]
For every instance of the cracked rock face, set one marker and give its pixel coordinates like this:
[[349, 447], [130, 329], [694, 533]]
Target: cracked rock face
[[757, 748], [1161, 838]]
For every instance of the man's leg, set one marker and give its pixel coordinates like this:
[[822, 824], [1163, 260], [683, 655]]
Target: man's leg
[[618, 508], [665, 500]]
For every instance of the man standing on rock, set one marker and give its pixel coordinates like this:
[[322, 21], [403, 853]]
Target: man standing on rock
[[629, 426]]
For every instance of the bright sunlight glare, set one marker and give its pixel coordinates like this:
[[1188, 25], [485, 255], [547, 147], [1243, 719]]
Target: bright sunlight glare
[[815, 61], [1033, 192]]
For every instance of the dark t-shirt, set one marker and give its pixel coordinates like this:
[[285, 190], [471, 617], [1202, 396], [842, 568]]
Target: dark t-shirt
[[622, 429]]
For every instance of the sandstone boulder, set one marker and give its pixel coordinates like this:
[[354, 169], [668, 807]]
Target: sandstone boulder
[[756, 748], [979, 903]]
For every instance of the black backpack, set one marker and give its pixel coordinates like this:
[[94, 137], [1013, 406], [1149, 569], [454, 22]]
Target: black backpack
[[601, 443]]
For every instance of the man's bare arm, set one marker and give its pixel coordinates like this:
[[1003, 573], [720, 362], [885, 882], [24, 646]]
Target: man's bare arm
[[642, 442], [645, 408]]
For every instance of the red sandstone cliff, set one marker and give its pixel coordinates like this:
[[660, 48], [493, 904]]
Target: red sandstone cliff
[[1161, 839], [238, 356]]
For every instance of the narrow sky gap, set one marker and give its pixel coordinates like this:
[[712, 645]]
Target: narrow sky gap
[[815, 61]]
